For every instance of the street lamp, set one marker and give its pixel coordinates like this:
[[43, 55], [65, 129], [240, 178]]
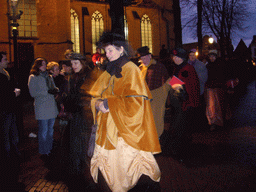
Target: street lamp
[[211, 40], [14, 17]]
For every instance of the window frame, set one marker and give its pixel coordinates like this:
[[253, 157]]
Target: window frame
[[97, 24], [146, 32], [75, 32], [28, 21]]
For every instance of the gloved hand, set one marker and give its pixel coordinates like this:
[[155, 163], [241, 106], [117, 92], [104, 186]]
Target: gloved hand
[[54, 91], [100, 106], [181, 93]]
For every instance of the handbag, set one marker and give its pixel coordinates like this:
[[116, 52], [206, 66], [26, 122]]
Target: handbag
[[91, 144]]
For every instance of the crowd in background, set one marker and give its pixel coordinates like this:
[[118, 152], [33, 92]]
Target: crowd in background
[[108, 91]]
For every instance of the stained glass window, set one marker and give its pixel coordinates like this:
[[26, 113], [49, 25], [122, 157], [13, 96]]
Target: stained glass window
[[75, 30], [146, 32], [97, 28]]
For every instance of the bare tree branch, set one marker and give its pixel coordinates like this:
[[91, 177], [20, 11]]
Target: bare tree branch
[[223, 18]]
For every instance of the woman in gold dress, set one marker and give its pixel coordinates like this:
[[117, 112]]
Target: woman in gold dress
[[126, 136]]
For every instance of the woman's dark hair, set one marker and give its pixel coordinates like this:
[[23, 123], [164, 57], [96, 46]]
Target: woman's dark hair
[[36, 65], [82, 59], [109, 38]]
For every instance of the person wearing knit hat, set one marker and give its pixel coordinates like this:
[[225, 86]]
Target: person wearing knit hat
[[214, 91], [125, 124], [184, 106], [156, 75]]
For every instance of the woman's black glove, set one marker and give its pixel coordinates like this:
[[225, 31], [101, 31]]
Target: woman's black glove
[[54, 91]]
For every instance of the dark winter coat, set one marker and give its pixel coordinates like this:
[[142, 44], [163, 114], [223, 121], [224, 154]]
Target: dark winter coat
[[78, 103]]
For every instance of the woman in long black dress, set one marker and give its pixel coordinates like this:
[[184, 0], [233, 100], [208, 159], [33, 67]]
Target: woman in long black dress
[[77, 103]]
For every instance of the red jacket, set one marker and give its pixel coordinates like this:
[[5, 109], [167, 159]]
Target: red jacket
[[188, 75]]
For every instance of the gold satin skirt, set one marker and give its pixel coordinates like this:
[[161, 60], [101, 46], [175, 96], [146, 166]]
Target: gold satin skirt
[[123, 166]]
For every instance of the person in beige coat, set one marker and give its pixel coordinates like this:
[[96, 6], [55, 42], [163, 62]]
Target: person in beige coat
[[156, 76]]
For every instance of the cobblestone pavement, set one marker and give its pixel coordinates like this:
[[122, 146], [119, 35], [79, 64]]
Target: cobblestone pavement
[[220, 161]]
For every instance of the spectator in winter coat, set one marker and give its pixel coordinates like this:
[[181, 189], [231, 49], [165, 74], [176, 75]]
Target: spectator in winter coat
[[42, 89], [214, 93]]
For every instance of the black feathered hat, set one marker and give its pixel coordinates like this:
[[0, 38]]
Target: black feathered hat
[[109, 38]]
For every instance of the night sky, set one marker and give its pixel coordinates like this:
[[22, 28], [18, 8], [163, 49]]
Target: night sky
[[247, 36]]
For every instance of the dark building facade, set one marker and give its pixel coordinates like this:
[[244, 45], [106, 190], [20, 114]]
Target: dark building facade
[[48, 27]]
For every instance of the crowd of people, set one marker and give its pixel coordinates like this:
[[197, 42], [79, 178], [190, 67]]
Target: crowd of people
[[125, 102]]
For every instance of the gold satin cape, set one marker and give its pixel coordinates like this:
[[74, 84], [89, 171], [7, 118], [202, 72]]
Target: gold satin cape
[[130, 115]]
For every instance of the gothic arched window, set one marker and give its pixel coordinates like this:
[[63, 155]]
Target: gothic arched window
[[146, 32], [97, 28], [75, 30]]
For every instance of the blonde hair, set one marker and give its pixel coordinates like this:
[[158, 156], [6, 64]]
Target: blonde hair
[[51, 65]]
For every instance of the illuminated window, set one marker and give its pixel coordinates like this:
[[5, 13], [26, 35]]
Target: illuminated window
[[28, 20], [146, 32], [75, 30], [97, 28], [125, 28]]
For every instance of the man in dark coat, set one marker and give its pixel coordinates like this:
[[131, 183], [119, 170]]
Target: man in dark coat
[[9, 153]]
